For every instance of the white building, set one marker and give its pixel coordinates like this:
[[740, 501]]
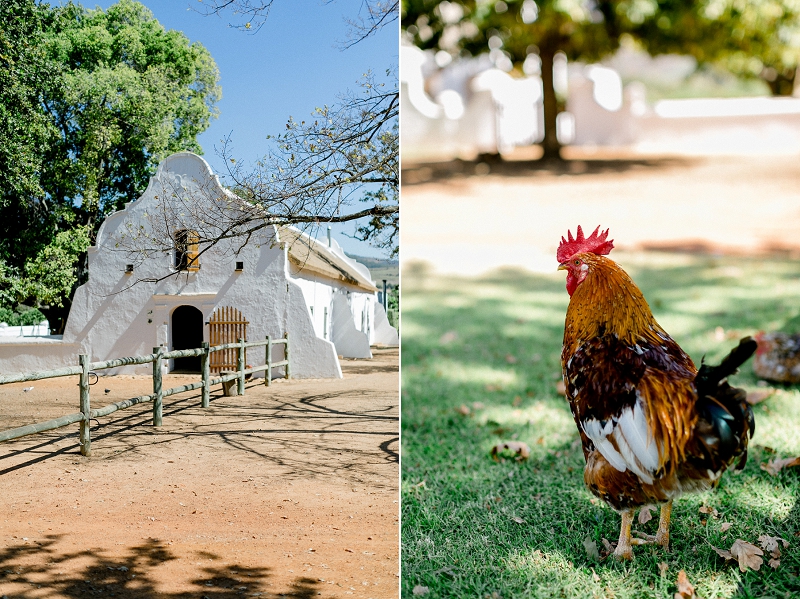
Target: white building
[[281, 281]]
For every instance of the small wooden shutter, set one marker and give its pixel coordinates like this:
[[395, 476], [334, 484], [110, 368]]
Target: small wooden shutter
[[226, 325], [187, 249]]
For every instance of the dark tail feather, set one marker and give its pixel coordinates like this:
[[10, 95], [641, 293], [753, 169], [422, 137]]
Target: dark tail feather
[[725, 418], [708, 377]]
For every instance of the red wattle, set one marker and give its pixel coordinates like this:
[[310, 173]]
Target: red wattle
[[572, 284]]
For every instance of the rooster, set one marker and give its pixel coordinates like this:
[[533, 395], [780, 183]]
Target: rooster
[[652, 425]]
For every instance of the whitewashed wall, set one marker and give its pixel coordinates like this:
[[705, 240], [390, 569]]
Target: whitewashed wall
[[112, 318]]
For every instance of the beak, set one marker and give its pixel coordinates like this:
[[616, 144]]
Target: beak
[[562, 266]]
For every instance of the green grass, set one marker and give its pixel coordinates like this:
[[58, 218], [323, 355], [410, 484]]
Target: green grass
[[493, 345]]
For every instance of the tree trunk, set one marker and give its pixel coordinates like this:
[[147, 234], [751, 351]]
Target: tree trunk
[[783, 84], [550, 145]]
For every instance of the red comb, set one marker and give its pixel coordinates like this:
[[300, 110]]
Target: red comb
[[595, 243]]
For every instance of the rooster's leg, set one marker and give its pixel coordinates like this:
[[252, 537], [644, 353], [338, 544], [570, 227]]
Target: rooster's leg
[[624, 550], [662, 536]]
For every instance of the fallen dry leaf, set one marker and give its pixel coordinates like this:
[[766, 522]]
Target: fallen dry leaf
[[591, 549], [662, 568], [710, 511], [511, 359], [561, 388], [747, 554], [520, 449], [595, 577], [777, 465], [608, 546], [769, 543], [774, 563], [754, 397], [645, 515], [724, 554], [685, 588], [725, 526], [463, 410], [420, 590], [518, 520]]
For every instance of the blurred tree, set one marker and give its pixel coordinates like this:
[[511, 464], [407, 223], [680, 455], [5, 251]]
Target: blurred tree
[[91, 101], [760, 38], [524, 32]]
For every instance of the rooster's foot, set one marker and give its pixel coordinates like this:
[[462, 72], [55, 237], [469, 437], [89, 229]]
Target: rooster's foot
[[662, 538], [642, 539], [622, 552], [624, 549]]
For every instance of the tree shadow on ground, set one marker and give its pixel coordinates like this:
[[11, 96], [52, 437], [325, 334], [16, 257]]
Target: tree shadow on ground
[[297, 437], [134, 575], [437, 172], [480, 367]]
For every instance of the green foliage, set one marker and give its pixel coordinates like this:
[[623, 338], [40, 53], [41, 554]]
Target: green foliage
[[131, 94], [582, 30], [51, 275], [750, 39], [28, 317], [393, 298], [26, 72], [481, 357], [91, 101]]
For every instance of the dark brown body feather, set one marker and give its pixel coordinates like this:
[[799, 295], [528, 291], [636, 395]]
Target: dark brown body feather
[[615, 358]]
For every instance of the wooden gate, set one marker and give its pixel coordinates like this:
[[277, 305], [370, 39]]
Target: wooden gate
[[226, 325]]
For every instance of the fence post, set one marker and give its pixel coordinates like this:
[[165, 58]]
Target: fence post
[[158, 400], [240, 367], [85, 435], [268, 362], [205, 369], [286, 354]]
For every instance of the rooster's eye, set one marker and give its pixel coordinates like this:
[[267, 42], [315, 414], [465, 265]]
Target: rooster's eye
[[577, 262]]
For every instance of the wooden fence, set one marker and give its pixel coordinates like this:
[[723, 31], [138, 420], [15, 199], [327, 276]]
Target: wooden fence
[[86, 369]]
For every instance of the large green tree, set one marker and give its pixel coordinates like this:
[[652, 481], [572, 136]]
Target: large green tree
[[131, 93], [92, 101], [26, 74]]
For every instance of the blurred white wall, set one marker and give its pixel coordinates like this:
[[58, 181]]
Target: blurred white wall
[[466, 109], [470, 107], [606, 115]]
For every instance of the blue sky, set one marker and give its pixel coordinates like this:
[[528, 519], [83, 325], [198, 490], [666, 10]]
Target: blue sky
[[288, 68]]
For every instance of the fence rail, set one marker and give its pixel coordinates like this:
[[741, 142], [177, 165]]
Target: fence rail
[[87, 369]]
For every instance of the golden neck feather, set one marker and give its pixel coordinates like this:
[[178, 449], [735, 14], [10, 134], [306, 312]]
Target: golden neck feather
[[607, 301]]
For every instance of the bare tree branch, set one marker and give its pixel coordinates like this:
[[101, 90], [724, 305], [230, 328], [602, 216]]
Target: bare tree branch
[[323, 169], [252, 14]]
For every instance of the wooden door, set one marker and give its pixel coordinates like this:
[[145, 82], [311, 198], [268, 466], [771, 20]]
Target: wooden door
[[226, 325]]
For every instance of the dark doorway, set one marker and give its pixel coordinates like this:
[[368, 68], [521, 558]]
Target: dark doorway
[[187, 333]]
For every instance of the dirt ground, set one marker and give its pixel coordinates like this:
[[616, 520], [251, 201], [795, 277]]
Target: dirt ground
[[287, 491], [468, 218]]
